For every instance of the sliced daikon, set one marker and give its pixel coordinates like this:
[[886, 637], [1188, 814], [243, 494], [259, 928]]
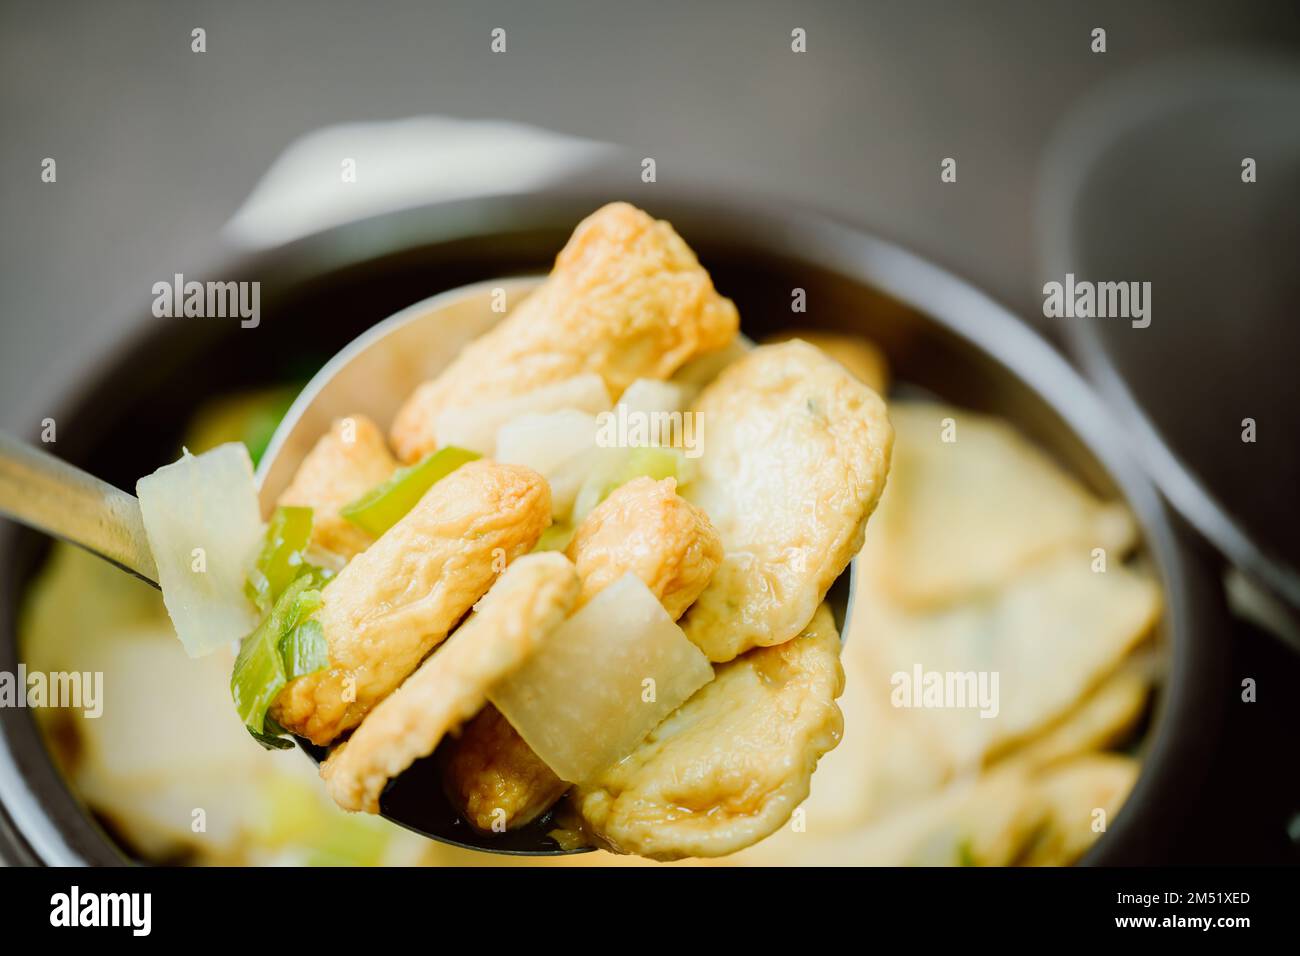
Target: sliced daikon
[[475, 426], [205, 529], [651, 395], [554, 445], [602, 681]]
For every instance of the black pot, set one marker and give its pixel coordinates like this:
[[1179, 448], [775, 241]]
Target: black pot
[[124, 417]]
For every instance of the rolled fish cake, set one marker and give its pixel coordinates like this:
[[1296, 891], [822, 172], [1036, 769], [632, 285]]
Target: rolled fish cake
[[398, 599]]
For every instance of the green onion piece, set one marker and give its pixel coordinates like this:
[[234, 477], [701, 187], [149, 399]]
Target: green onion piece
[[260, 671], [555, 538], [271, 741], [273, 737], [656, 463], [272, 727], [304, 650], [644, 462], [307, 603], [281, 559], [386, 504]]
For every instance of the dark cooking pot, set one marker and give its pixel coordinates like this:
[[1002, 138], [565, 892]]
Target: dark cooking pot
[[124, 417]]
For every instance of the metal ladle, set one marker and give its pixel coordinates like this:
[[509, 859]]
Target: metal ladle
[[373, 376]]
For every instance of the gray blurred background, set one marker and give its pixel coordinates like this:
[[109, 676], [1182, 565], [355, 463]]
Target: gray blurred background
[[156, 146]]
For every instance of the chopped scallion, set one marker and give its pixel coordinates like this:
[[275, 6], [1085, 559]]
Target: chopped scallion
[[387, 503], [642, 462], [555, 538], [304, 650], [281, 559], [263, 667]]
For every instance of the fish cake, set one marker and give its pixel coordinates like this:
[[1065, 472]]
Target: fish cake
[[646, 528], [1101, 720], [984, 821], [1074, 792], [930, 545], [526, 604], [855, 352], [627, 299], [398, 599], [494, 778], [795, 454], [643, 527], [729, 766], [347, 461], [1049, 638]]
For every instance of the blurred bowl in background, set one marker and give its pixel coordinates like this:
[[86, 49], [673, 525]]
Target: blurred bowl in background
[[1145, 181]]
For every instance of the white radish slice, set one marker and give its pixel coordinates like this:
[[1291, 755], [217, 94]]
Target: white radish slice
[[648, 395], [603, 680], [205, 527], [475, 427], [552, 444]]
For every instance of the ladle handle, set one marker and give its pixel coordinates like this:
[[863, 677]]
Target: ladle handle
[[42, 492]]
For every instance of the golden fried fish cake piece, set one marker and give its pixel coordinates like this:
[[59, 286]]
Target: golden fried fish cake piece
[[986, 821], [643, 527], [627, 299], [347, 461], [1101, 720], [855, 352], [530, 599], [884, 762], [729, 766], [1049, 638], [1073, 793], [495, 779], [795, 454], [930, 545], [396, 601], [983, 821]]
